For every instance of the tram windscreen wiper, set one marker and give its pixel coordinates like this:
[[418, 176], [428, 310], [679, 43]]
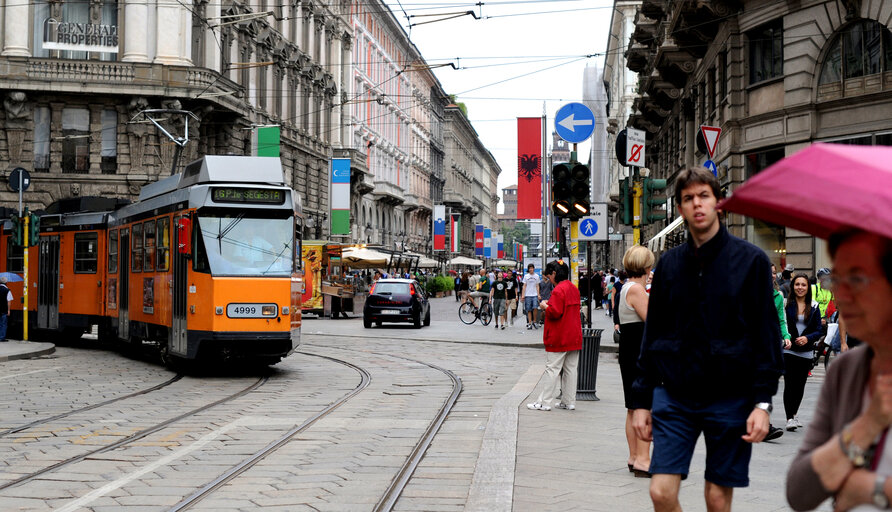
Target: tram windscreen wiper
[[238, 218]]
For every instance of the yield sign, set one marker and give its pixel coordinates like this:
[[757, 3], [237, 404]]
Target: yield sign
[[711, 136]]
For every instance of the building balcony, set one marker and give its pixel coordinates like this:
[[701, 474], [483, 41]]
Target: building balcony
[[120, 78], [388, 193]]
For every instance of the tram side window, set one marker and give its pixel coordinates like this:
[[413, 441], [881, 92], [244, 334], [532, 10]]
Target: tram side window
[[149, 232], [113, 251], [163, 248], [136, 260], [86, 253], [15, 261]]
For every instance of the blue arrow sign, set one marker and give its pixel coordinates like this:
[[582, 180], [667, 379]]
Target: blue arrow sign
[[574, 122], [709, 164]]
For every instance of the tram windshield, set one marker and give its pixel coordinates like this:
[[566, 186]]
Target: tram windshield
[[245, 243]]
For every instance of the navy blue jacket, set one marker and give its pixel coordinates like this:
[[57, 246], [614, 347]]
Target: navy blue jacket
[[712, 329], [812, 326]]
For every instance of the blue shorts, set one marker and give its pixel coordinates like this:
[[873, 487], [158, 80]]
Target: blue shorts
[[677, 426], [530, 304]]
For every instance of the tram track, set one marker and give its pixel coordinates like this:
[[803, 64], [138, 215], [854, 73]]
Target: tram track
[[43, 421], [404, 474], [132, 437]]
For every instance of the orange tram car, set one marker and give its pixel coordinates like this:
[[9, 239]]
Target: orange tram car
[[206, 264]]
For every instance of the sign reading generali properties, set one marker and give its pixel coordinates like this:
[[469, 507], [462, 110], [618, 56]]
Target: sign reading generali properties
[[81, 37]]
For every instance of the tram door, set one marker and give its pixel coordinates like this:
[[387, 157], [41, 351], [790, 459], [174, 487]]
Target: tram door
[[48, 283], [124, 284], [178, 332]]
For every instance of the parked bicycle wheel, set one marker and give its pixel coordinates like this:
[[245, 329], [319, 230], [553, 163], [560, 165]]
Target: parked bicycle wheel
[[486, 314], [467, 313]]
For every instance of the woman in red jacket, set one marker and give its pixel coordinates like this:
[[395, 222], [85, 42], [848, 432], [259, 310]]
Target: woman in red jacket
[[563, 340]]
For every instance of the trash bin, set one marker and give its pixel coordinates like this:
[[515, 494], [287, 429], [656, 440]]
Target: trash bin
[[587, 376]]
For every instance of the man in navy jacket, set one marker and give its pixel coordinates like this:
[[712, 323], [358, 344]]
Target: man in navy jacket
[[711, 357]]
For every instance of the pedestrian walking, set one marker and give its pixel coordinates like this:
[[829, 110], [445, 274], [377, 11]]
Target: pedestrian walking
[[776, 432], [609, 296], [457, 283], [710, 359], [562, 337], [545, 288], [511, 296], [5, 307], [804, 322], [498, 294], [530, 294], [637, 262]]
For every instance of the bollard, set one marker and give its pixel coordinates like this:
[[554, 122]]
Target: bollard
[[588, 365]]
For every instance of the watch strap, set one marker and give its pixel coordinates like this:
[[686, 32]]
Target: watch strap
[[879, 493]]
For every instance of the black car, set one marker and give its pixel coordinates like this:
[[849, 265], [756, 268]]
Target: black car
[[396, 300]]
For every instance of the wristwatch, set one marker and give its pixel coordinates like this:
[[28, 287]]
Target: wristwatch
[[765, 406], [857, 456], [880, 500]]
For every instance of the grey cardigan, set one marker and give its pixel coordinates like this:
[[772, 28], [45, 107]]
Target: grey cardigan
[[840, 401]]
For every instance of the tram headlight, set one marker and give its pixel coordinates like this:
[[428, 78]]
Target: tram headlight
[[268, 310]]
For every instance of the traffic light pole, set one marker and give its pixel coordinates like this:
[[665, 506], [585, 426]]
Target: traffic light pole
[[26, 240], [637, 192]]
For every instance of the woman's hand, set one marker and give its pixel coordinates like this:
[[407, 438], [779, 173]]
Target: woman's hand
[[802, 340], [788, 344], [857, 490], [543, 304]]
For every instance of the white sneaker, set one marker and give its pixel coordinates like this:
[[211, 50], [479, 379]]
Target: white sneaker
[[536, 406], [791, 425], [797, 422], [562, 405]]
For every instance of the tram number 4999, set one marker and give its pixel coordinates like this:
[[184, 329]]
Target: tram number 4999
[[250, 310]]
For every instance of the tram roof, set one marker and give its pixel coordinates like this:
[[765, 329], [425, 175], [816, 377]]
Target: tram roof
[[220, 169]]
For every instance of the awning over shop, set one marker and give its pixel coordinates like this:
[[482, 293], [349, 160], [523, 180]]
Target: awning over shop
[[506, 263], [358, 257], [464, 261], [424, 261], [659, 241]]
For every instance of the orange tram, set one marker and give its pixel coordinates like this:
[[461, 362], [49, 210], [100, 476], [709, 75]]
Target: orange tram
[[206, 264]]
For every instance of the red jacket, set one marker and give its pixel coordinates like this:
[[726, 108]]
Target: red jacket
[[563, 325]]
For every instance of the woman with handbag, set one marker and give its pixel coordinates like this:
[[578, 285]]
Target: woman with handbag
[[804, 325], [632, 312]]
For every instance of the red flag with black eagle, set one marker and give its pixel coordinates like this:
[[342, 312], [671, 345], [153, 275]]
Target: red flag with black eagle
[[529, 167]]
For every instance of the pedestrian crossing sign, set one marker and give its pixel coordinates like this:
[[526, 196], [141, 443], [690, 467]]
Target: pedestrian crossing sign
[[593, 228]]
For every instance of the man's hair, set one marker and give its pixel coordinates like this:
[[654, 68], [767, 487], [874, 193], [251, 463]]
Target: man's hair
[[561, 271], [838, 238], [696, 176], [3, 280], [637, 260], [531, 266]]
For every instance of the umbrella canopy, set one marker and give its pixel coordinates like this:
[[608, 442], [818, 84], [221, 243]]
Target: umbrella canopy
[[460, 261], [506, 263], [11, 277], [822, 189], [358, 257]]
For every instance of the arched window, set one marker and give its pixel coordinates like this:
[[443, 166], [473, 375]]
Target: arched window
[[860, 49]]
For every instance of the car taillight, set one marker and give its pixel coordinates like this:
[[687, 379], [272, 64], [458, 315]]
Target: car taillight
[[372, 291], [411, 289]]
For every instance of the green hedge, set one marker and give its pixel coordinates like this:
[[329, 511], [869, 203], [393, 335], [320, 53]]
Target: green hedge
[[440, 284]]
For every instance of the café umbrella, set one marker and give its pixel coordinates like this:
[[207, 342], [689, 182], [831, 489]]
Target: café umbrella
[[822, 189]]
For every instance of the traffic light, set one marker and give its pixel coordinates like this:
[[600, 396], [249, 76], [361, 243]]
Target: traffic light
[[570, 188], [16, 233], [652, 197], [34, 230], [625, 201]]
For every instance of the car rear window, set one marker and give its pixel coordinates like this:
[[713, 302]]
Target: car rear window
[[392, 288]]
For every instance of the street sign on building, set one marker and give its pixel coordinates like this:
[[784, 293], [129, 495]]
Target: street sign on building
[[574, 122], [635, 147], [593, 228]]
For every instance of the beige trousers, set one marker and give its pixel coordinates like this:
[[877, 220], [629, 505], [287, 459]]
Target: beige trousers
[[563, 365]]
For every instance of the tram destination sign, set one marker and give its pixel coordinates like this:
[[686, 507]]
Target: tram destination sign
[[247, 195]]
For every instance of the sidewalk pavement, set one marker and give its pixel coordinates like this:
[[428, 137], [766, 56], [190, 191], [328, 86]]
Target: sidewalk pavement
[[13, 349]]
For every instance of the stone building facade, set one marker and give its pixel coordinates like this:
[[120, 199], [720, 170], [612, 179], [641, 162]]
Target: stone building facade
[[775, 76], [72, 114]]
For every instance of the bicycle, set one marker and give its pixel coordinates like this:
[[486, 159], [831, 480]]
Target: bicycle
[[469, 313]]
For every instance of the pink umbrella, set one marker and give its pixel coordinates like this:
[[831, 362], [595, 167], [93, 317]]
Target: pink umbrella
[[822, 189]]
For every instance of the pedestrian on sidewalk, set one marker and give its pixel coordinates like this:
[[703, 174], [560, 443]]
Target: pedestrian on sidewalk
[[5, 307], [563, 340], [710, 359], [804, 322], [498, 294], [846, 452], [530, 294], [637, 261], [511, 296], [545, 288], [776, 432]]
